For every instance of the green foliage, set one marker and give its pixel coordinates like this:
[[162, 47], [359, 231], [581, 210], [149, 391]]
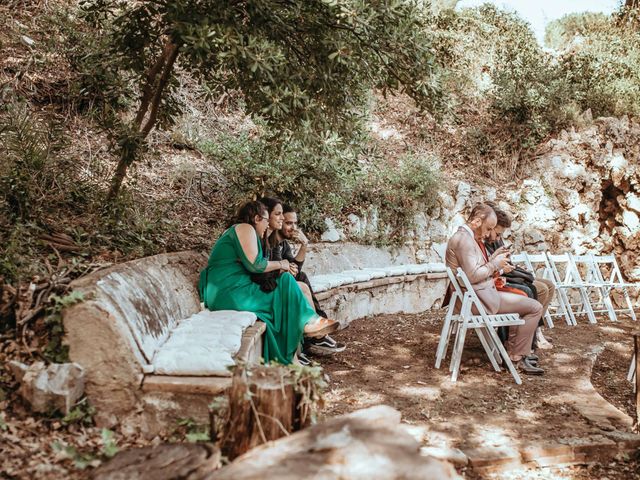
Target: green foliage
[[325, 176], [299, 64], [109, 444], [561, 32], [55, 350], [604, 70], [398, 192], [81, 460], [29, 143], [530, 91], [317, 174], [82, 413], [193, 431]]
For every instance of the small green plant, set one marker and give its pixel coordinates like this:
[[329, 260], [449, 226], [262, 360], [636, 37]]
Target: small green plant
[[55, 351], [193, 432], [109, 444], [81, 460], [82, 413]]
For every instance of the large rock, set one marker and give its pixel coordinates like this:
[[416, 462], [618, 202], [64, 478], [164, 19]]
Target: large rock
[[366, 444], [46, 388]]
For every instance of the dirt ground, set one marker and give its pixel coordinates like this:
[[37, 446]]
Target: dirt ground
[[390, 359]]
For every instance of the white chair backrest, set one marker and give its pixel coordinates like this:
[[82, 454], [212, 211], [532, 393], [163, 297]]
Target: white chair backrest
[[519, 258], [563, 269], [472, 294], [592, 273], [612, 271], [454, 283], [539, 261]]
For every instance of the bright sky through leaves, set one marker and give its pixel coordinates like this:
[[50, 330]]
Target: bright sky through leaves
[[540, 12]]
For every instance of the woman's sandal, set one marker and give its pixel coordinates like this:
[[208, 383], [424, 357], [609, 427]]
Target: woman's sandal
[[322, 327]]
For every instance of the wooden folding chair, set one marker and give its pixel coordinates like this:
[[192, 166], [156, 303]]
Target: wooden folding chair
[[482, 323], [566, 278]]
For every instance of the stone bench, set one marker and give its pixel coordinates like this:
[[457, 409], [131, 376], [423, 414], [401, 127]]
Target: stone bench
[[150, 353], [152, 356]]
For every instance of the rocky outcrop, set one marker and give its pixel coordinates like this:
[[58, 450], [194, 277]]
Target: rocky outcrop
[[582, 195]]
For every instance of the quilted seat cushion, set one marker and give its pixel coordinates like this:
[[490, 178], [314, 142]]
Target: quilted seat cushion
[[203, 344]]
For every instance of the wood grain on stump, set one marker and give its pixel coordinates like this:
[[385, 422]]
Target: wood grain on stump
[[262, 407], [184, 461]]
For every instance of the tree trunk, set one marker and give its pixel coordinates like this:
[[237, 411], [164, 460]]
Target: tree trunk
[[163, 462], [156, 80], [263, 406]]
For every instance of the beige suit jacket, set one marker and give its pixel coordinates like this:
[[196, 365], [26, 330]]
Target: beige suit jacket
[[464, 252]]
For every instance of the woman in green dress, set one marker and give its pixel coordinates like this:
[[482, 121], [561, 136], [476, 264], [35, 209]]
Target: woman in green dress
[[225, 284]]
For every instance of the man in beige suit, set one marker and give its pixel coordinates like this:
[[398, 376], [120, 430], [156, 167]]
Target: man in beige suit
[[464, 250]]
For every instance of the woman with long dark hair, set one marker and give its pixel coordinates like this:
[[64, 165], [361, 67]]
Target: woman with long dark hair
[[225, 284]]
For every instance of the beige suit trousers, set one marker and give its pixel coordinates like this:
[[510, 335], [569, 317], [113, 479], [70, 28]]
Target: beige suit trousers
[[546, 290], [530, 310]]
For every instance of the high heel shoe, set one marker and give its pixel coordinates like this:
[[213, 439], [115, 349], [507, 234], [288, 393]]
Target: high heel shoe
[[320, 328]]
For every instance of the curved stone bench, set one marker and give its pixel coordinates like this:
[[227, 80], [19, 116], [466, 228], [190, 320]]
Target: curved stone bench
[[150, 353], [152, 356], [359, 293]]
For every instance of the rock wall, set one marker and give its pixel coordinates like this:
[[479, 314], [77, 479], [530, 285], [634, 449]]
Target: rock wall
[[582, 194]]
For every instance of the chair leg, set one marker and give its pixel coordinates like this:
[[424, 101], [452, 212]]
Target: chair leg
[[566, 306], [632, 313], [505, 356], [606, 299], [547, 319], [443, 343], [457, 355], [586, 304], [455, 345], [487, 348]]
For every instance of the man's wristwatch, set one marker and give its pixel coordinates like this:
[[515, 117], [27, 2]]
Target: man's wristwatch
[[501, 271]]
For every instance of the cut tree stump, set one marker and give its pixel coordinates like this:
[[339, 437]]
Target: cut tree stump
[[183, 461], [367, 444], [263, 406]]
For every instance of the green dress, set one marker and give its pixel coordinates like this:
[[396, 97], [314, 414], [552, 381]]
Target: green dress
[[225, 284]]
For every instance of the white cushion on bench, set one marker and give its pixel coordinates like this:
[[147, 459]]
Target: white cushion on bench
[[359, 275], [203, 344], [417, 268], [376, 272], [396, 270], [437, 267]]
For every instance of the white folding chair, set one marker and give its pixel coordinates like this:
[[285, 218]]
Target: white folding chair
[[521, 259], [593, 281], [611, 279], [538, 263], [566, 278], [483, 324], [452, 320]]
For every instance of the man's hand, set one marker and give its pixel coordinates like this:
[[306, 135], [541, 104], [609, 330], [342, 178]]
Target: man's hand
[[499, 251], [293, 269], [300, 237], [502, 260], [508, 269]]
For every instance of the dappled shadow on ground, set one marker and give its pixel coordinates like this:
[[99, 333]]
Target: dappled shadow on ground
[[390, 359]]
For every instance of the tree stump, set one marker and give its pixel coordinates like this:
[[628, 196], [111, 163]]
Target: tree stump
[[184, 461], [263, 406]]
